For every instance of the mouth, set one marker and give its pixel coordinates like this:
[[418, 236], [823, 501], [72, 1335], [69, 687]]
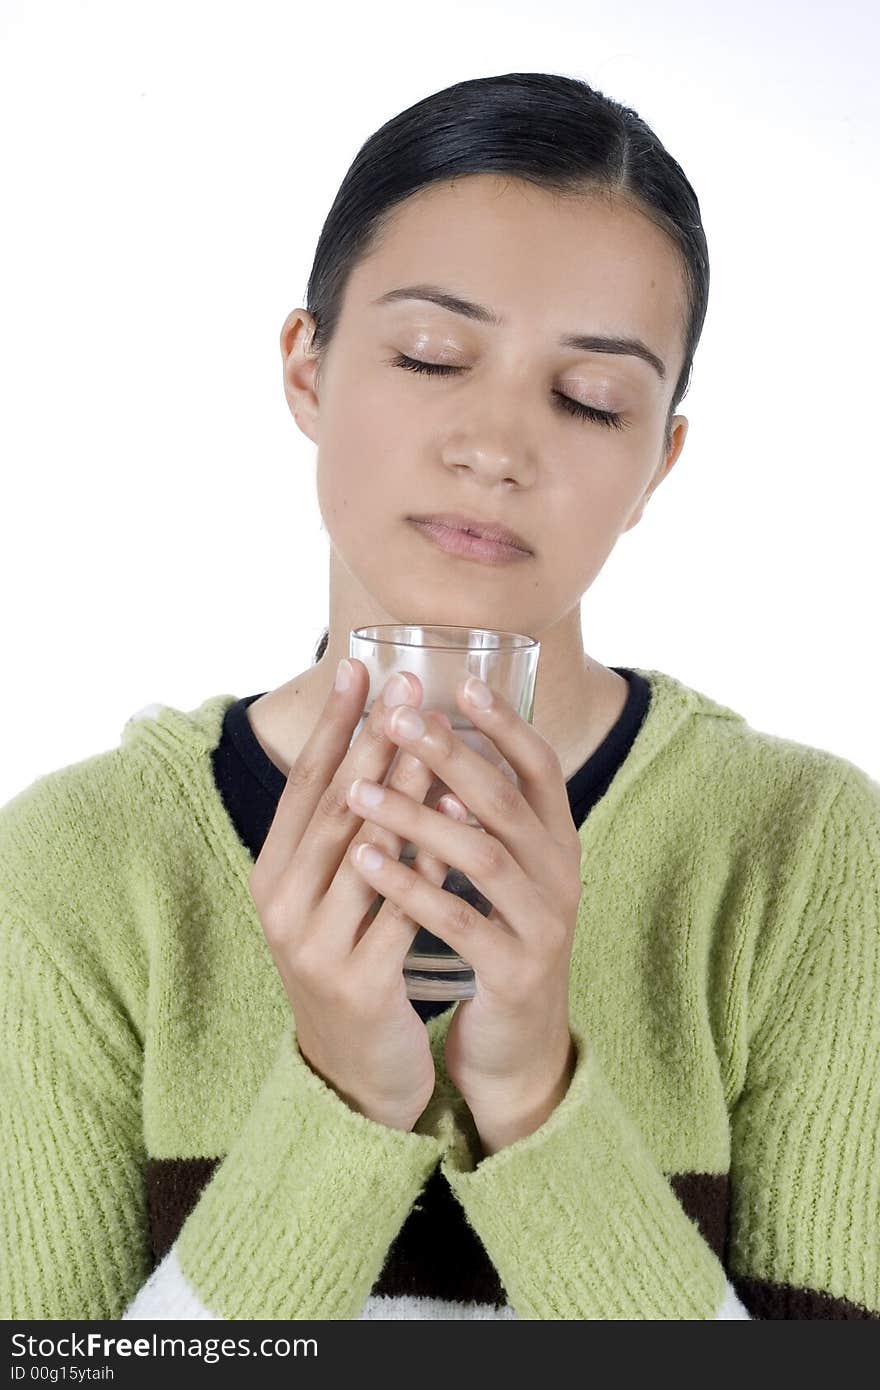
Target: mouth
[[463, 542], [474, 526]]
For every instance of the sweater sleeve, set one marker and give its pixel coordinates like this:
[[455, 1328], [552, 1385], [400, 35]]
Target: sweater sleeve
[[805, 1157], [294, 1223], [580, 1221]]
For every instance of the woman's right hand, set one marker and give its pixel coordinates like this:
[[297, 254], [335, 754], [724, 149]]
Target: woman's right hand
[[343, 968]]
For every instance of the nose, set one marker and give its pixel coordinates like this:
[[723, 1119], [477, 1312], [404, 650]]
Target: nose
[[493, 449]]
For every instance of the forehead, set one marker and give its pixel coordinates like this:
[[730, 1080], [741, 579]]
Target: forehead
[[539, 260]]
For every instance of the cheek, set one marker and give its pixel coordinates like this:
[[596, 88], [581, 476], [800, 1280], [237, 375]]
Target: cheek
[[605, 483], [346, 498], [586, 515], [375, 413], [361, 462]]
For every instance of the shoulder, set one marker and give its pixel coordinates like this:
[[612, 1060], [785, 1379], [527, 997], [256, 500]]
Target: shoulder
[[59, 824], [798, 830], [77, 844], [763, 777], [64, 868], [97, 802], [789, 835]]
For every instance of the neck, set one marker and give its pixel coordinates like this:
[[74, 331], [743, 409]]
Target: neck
[[577, 700]]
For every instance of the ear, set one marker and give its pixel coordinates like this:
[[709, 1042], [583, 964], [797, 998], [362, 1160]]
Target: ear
[[678, 432], [300, 367]]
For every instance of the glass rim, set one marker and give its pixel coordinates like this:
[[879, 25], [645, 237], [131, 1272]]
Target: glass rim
[[520, 641]]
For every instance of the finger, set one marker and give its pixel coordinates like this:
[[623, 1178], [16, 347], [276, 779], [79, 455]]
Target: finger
[[452, 807], [350, 906], [322, 753], [316, 816], [393, 931], [424, 862], [477, 939], [534, 761], [482, 858], [496, 801]]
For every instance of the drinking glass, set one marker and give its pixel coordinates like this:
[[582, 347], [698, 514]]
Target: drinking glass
[[441, 656]]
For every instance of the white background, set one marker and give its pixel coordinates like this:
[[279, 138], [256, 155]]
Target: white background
[[166, 169]]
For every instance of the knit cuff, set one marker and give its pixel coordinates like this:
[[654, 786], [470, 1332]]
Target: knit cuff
[[298, 1217], [579, 1220]]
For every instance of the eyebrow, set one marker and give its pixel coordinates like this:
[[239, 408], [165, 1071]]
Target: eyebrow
[[584, 342]]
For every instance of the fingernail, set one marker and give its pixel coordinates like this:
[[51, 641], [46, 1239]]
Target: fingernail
[[343, 675], [370, 793], [406, 722], [477, 692], [369, 857], [397, 691], [453, 808]]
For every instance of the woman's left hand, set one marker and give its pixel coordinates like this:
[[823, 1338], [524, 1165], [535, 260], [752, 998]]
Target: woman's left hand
[[509, 1049]]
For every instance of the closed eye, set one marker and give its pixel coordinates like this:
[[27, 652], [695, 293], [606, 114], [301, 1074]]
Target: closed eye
[[609, 418]]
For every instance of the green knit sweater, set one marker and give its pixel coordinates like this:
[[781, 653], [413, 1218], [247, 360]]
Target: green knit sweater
[[166, 1151]]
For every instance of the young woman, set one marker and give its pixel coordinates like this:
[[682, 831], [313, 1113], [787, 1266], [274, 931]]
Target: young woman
[[662, 1101]]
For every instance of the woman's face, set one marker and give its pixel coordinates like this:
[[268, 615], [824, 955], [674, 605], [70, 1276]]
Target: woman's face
[[493, 440]]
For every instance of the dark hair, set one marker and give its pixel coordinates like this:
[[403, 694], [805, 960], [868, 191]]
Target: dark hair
[[547, 129]]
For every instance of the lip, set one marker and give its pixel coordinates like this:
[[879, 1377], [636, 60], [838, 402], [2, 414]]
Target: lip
[[479, 548], [487, 530]]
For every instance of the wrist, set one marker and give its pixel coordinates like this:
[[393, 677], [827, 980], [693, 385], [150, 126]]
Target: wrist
[[391, 1119], [502, 1122]]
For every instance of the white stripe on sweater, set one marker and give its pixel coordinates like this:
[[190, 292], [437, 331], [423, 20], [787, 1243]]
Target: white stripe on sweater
[[406, 1306], [168, 1296], [731, 1306]]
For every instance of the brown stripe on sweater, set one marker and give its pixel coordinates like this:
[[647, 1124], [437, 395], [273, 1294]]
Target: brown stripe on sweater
[[437, 1254], [174, 1186], [706, 1199], [766, 1300]]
